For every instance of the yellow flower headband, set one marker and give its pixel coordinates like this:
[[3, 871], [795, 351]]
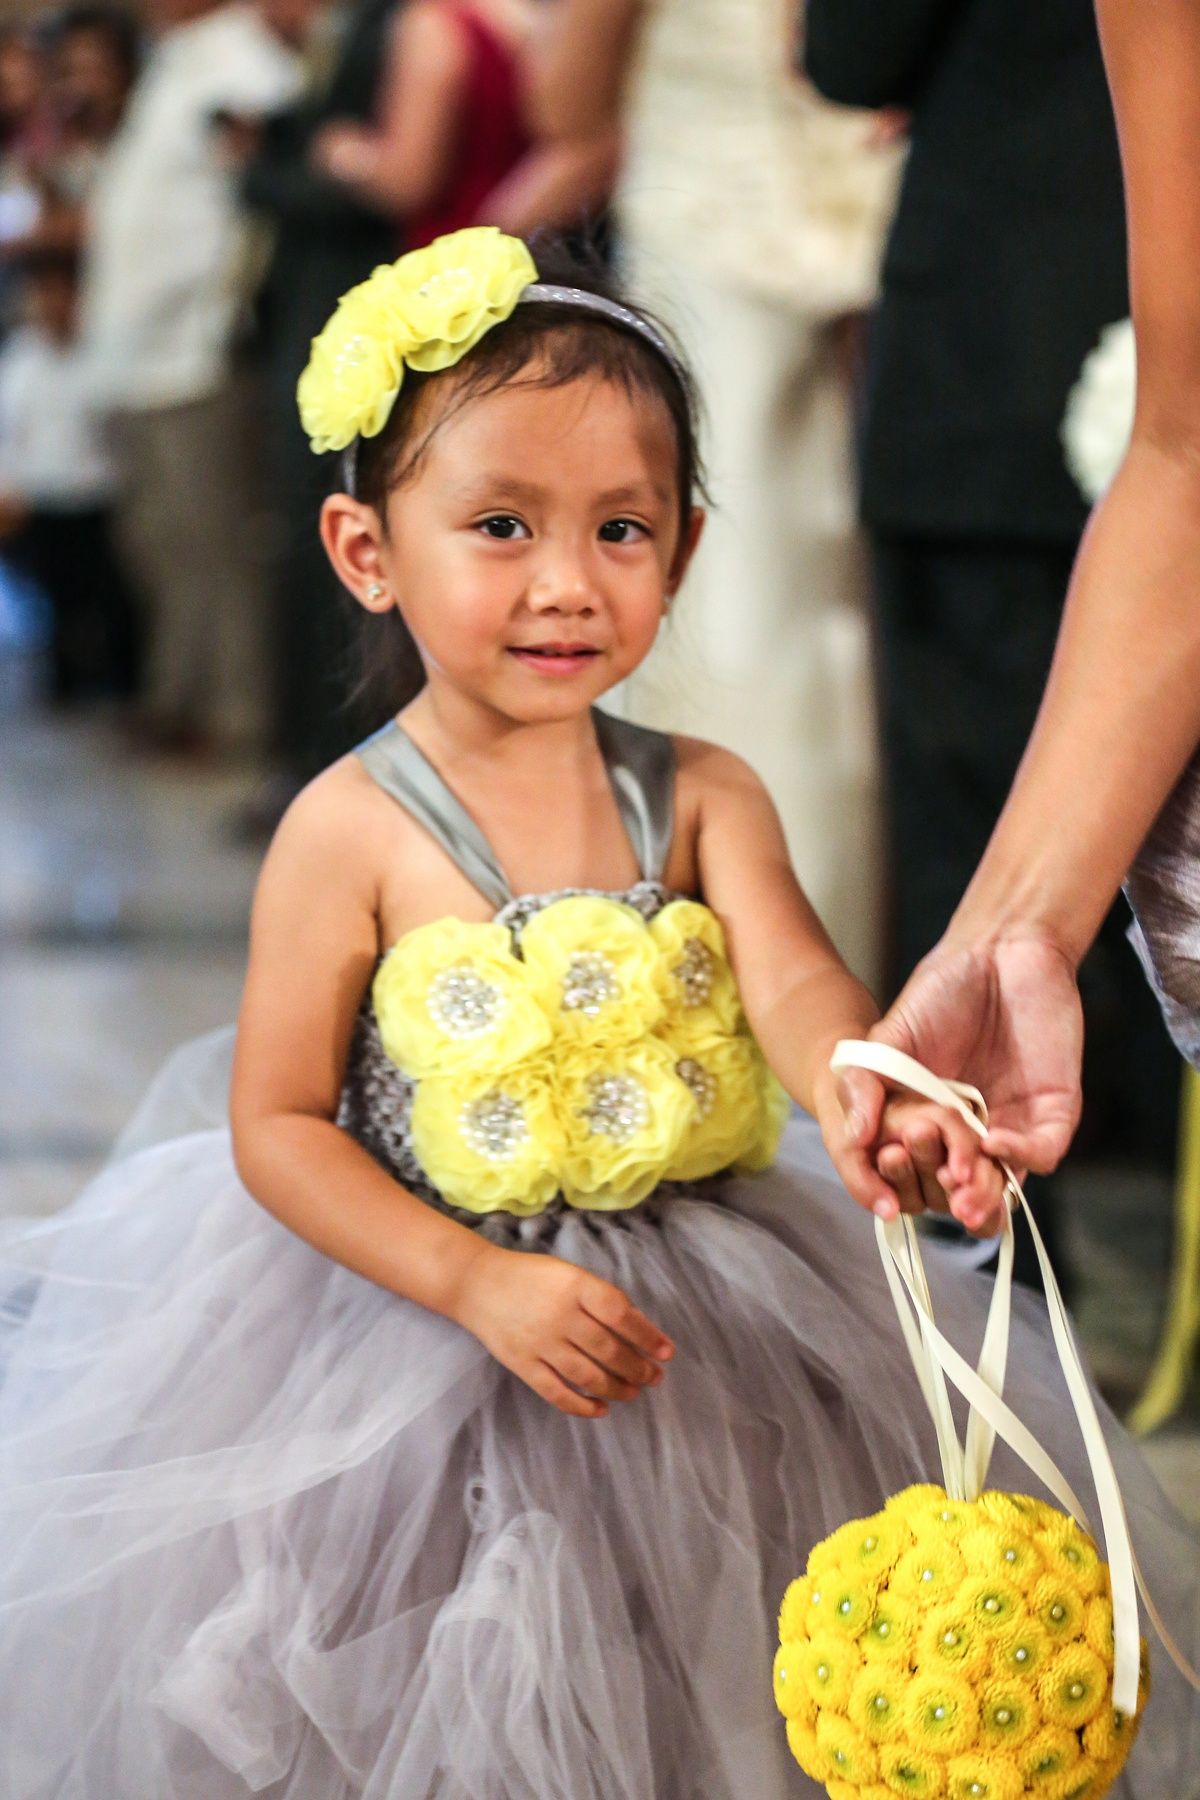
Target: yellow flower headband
[[425, 312]]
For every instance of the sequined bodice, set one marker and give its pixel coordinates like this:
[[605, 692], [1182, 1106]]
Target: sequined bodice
[[377, 1097]]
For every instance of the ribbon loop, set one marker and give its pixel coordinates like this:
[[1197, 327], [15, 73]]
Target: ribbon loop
[[936, 1361]]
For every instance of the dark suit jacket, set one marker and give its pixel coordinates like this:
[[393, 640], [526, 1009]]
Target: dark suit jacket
[[1006, 258]]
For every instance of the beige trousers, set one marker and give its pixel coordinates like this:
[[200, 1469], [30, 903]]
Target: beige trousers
[[191, 524], [767, 649]]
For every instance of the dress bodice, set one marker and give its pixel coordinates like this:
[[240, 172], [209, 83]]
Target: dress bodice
[[377, 1096]]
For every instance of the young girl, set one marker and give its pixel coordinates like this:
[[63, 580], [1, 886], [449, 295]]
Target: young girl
[[471, 1461]]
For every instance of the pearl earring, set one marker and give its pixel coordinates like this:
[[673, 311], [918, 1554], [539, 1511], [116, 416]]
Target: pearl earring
[[375, 590]]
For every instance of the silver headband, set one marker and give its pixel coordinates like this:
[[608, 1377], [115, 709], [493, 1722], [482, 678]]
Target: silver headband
[[599, 305]]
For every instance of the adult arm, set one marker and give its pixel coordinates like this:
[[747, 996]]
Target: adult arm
[[996, 1001], [579, 63], [873, 53]]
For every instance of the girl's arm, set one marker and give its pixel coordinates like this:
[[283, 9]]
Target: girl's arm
[[996, 1002], [313, 948], [403, 165]]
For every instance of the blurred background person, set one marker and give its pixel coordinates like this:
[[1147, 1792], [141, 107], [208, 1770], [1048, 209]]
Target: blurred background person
[[752, 215], [22, 91], [162, 310], [57, 486], [1006, 259], [93, 52]]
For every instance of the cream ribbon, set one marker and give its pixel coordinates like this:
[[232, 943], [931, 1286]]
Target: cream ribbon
[[935, 1360]]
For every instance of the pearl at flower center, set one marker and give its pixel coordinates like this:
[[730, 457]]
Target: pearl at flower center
[[463, 1003], [590, 983], [618, 1108]]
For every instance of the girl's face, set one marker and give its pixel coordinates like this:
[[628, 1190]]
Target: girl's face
[[534, 551]]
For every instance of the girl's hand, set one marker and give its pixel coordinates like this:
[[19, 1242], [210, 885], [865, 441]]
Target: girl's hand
[[572, 1337], [932, 1159]]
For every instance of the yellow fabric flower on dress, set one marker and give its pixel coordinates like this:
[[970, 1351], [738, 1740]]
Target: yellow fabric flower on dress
[[699, 990], [594, 967], [952, 1639], [491, 1139], [452, 996], [424, 312], [624, 1112], [726, 1077]]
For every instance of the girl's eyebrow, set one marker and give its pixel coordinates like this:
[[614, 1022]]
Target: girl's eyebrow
[[486, 487]]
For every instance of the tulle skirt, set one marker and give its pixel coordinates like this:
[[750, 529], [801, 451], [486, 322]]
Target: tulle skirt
[[268, 1529]]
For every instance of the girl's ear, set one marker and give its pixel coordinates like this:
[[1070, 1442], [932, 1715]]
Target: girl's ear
[[689, 537], [353, 538]]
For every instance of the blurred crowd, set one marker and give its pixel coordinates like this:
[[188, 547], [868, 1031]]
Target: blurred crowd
[[888, 232]]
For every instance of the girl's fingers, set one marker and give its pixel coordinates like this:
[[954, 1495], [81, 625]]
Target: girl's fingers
[[861, 1096], [549, 1385], [896, 1168], [964, 1149], [610, 1354], [927, 1149], [865, 1184], [579, 1371], [608, 1306]]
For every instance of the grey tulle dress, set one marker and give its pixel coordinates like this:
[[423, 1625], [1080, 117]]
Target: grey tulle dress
[[266, 1528]]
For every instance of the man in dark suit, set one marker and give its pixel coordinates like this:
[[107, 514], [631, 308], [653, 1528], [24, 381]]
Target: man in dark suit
[[1005, 261], [325, 242]]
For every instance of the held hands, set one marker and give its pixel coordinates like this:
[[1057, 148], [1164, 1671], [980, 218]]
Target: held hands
[[569, 1335], [1007, 1019]]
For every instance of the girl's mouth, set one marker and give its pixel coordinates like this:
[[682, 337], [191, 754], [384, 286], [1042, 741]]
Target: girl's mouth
[[554, 659]]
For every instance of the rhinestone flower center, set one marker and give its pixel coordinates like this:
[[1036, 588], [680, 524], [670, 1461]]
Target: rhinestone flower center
[[590, 983], [617, 1107], [695, 972], [463, 1003], [701, 1081], [494, 1126]]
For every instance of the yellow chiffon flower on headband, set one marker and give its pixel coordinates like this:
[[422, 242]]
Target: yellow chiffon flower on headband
[[423, 312]]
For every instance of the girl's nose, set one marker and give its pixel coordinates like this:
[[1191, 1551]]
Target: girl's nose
[[561, 584]]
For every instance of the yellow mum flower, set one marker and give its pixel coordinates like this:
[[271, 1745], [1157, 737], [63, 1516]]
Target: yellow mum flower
[[910, 1500], [725, 1077], [865, 1546], [1021, 1648], [491, 1140], [888, 1638], [793, 1613], [1019, 1510], [847, 1601], [1000, 1547], [1059, 1606], [950, 1641], [917, 1774], [1052, 1763], [992, 1601], [930, 1573], [452, 996], [802, 1742], [1098, 1627], [852, 1756], [876, 1702], [625, 1112], [454, 290], [1009, 1713], [791, 1695], [976, 1777], [1070, 1552], [595, 969], [1073, 1686], [941, 1714], [828, 1667], [1109, 1738], [699, 990], [941, 1518]]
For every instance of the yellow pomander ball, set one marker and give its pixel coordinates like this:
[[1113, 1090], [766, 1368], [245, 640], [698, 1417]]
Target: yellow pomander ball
[[952, 1650]]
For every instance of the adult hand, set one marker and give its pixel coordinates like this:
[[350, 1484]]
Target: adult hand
[[1005, 1018]]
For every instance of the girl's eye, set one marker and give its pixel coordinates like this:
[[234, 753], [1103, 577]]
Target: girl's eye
[[621, 531], [503, 527]]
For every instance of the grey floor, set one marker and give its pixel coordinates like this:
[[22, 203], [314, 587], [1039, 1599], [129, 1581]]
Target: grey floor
[[123, 907]]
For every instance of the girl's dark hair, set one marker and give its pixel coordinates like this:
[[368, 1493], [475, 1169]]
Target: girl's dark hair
[[543, 344]]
